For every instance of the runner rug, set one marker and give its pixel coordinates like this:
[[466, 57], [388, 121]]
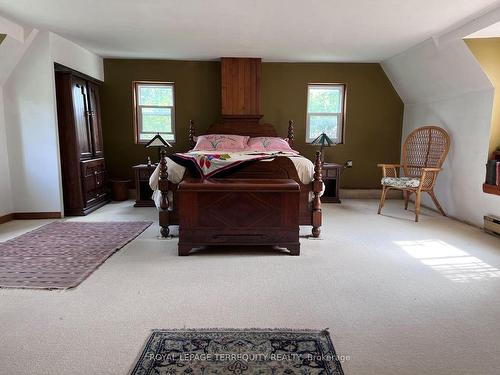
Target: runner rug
[[60, 255], [245, 352]]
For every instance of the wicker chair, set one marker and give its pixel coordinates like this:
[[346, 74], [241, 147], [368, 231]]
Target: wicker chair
[[424, 152]]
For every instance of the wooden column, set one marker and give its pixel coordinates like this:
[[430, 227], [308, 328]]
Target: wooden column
[[163, 186], [316, 204], [291, 134], [191, 133]]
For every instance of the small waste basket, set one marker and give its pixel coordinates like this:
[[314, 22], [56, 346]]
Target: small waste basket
[[119, 189]]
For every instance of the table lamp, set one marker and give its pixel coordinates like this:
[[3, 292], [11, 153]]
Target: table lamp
[[324, 141], [158, 141]]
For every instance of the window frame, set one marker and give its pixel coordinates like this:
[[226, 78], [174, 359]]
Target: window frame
[[138, 109], [341, 115]]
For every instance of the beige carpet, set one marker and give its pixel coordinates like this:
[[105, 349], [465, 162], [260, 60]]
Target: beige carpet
[[398, 297]]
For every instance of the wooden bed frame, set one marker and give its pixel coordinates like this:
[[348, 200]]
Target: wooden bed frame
[[279, 168]]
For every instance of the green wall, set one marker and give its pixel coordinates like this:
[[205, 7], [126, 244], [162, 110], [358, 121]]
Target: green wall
[[373, 119], [374, 114], [196, 88]]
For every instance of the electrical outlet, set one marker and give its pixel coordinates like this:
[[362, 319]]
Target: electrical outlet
[[348, 164]]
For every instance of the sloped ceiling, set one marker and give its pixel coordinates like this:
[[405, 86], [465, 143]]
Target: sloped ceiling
[[11, 51], [276, 30], [492, 31], [428, 72]]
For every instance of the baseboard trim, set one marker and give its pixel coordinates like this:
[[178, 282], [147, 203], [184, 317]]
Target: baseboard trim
[[6, 218], [35, 215], [369, 194], [29, 216]]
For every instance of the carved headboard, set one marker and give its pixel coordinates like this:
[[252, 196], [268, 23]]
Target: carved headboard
[[244, 128], [248, 129]]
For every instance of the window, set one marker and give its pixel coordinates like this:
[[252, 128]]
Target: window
[[325, 111], [154, 110]]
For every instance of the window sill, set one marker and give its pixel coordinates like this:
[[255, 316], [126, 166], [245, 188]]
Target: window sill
[[491, 189]]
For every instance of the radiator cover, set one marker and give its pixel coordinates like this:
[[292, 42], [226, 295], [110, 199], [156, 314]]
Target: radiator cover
[[492, 225]]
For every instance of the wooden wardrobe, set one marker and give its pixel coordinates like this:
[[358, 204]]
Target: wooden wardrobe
[[84, 173]]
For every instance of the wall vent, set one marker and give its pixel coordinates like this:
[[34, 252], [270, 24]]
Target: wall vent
[[492, 225]]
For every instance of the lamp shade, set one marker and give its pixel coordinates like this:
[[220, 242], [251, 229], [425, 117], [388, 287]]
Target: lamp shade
[[158, 141], [323, 140]]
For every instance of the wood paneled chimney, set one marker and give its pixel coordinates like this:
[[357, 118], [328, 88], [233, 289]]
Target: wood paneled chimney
[[241, 89]]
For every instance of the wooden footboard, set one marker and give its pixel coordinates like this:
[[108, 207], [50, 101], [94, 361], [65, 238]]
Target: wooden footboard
[[280, 167]]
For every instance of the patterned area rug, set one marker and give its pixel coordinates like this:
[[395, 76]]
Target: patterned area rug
[[60, 255], [245, 352]]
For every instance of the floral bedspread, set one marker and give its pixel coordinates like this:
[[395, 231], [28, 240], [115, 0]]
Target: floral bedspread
[[209, 164]]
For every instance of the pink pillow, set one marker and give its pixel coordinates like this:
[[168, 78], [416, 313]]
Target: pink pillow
[[221, 142], [269, 144]]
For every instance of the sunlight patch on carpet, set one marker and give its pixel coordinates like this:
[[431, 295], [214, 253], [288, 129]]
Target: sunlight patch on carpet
[[453, 263]]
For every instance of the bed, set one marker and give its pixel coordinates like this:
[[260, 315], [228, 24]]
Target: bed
[[168, 174]]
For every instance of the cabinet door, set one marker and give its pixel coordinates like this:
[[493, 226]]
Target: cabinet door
[[81, 113], [95, 116]]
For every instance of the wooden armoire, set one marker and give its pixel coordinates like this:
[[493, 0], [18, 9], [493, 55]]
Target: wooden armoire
[[84, 173]]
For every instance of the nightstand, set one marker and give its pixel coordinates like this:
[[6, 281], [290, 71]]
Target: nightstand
[[142, 172], [331, 173]]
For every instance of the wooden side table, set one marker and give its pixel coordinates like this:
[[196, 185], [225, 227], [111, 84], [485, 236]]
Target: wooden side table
[[331, 173], [142, 172]]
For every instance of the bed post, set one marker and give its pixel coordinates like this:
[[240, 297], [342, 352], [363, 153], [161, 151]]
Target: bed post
[[291, 135], [316, 204], [191, 133], [163, 186]]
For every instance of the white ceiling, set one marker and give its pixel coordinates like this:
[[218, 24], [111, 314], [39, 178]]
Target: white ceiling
[[276, 30], [492, 31]]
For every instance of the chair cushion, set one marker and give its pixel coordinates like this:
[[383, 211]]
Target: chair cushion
[[401, 182]]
